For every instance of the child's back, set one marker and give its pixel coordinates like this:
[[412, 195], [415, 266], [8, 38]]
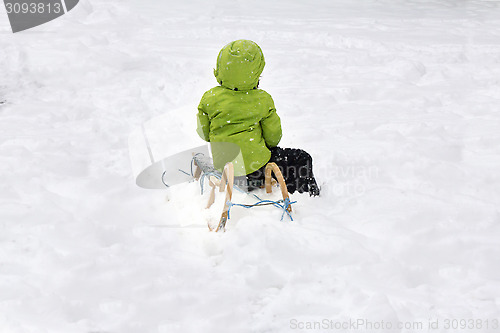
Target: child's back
[[238, 112]]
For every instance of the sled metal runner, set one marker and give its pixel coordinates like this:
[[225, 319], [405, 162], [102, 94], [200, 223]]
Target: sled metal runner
[[204, 168]]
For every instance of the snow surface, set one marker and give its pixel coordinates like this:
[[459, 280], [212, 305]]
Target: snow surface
[[397, 101]]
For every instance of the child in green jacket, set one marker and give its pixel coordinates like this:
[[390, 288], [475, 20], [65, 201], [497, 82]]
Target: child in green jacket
[[241, 123]]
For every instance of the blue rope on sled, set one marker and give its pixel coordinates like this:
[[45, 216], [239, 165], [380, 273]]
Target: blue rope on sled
[[282, 204], [279, 204]]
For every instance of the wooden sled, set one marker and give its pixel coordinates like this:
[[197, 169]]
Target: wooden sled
[[226, 184]]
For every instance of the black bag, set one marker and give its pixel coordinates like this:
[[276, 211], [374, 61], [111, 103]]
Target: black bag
[[296, 167]]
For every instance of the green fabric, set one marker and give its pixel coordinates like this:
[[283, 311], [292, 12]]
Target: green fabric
[[245, 118], [239, 65], [237, 112]]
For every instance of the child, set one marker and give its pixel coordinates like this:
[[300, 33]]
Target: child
[[241, 123]]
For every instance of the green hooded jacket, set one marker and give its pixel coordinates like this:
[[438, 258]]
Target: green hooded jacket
[[236, 113]]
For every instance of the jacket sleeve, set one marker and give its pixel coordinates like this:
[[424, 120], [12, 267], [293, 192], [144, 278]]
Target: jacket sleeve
[[203, 127], [271, 127]]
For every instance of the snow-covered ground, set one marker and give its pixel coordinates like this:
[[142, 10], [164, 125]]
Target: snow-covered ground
[[397, 101]]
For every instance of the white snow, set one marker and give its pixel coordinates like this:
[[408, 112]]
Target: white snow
[[398, 102]]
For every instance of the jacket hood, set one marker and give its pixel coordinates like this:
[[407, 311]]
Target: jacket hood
[[239, 65]]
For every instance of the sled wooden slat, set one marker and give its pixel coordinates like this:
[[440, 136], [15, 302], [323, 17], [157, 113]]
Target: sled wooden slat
[[226, 184], [197, 172], [213, 182], [273, 168], [211, 198]]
